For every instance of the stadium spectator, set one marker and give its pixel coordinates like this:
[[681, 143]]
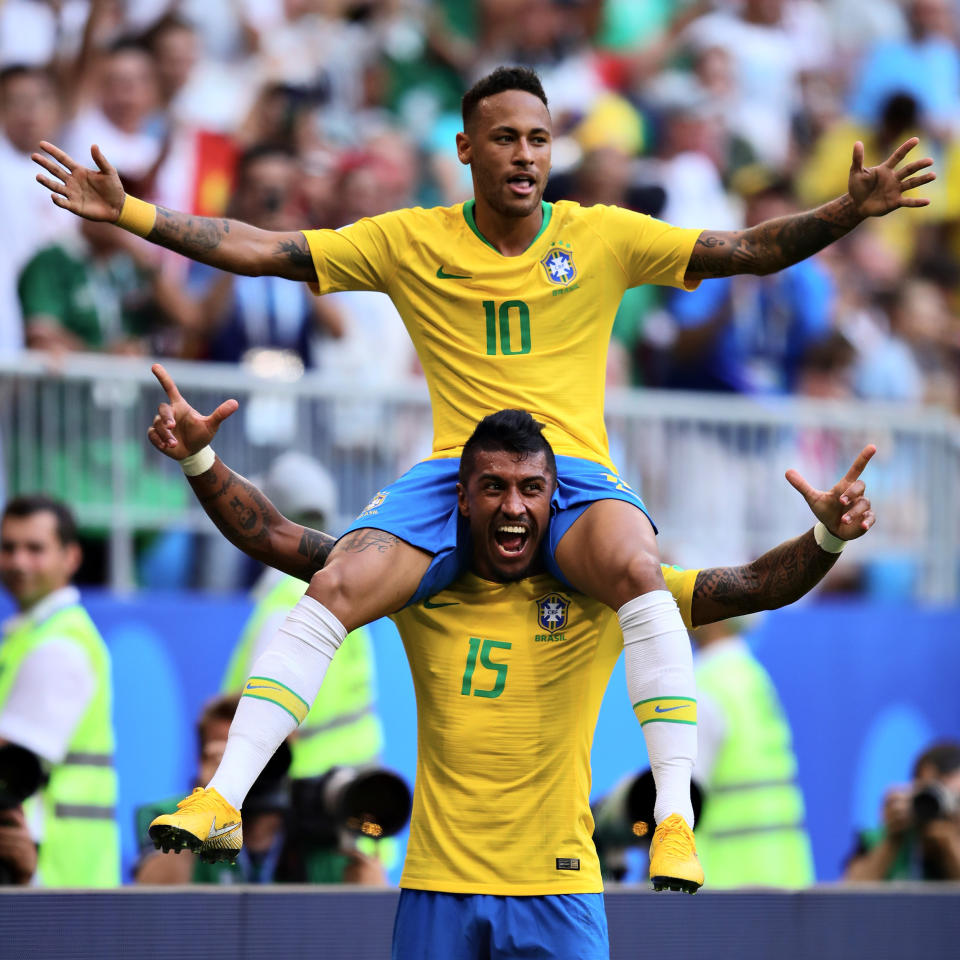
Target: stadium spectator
[[95, 290], [55, 696], [244, 313], [275, 850], [124, 104], [919, 838], [751, 830], [749, 334], [924, 64], [29, 112]]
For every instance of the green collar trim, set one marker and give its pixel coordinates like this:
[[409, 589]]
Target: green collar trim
[[468, 215]]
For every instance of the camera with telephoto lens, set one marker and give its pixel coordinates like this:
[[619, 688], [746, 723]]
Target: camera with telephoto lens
[[356, 801], [623, 818], [934, 801], [21, 776]]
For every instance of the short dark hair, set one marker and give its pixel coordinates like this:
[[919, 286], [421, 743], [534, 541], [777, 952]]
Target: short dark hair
[[512, 430], [14, 71], [502, 79], [943, 756], [258, 151], [29, 504], [221, 707]]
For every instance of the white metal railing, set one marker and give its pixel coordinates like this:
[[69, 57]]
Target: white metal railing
[[710, 467]]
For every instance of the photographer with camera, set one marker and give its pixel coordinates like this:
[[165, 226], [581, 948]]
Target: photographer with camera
[[295, 831], [920, 836], [56, 732]]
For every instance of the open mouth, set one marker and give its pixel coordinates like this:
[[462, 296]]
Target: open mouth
[[512, 538], [522, 184]]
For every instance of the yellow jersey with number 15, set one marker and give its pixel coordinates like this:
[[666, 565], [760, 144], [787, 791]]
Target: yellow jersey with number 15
[[509, 679], [529, 332]]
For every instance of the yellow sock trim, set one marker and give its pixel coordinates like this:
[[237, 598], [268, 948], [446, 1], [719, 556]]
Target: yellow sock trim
[[666, 710], [263, 688], [137, 216]]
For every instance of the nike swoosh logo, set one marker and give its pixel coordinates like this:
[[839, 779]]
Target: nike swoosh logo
[[259, 686], [659, 709], [228, 828], [434, 606], [450, 276]]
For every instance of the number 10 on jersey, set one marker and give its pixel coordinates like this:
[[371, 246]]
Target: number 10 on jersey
[[500, 328]]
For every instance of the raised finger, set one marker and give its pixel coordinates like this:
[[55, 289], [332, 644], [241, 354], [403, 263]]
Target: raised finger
[[59, 154], [853, 492], [799, 484], [54, 186], [863, 458], [100, 160], [894, 159], [914, 182], [51, 167], [223, 411], [857, 162], [909, 169], [914, 202], [166, 381]]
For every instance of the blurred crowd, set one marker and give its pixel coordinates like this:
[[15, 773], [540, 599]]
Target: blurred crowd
[[313, 113]]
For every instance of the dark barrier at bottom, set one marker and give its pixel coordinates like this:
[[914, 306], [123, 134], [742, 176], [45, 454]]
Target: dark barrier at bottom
[[901, 922]]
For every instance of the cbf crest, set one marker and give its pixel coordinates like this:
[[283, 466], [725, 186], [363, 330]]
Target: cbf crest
[[559, 266], [552, 612]]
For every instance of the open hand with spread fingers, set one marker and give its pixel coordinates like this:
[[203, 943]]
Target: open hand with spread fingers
[[91, 194], [843, 509], [878, 190], [178, 431]]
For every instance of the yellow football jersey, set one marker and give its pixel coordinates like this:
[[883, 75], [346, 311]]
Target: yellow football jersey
[[509, 678], [529, 332]]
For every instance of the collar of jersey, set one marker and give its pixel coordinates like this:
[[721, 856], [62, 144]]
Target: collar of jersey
[[547, 209]]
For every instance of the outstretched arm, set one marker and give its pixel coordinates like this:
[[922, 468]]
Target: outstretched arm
[[775, 244], [227, 244], [238, 508], [787, 572]]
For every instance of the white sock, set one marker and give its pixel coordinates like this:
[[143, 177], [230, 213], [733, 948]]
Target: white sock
[[284, 681], [659, 667]]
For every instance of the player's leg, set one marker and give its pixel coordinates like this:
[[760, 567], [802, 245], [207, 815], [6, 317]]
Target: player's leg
[[610, 553], [371, 572]]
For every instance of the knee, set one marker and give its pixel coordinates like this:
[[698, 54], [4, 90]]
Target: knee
[[639, 574], [329, 587]]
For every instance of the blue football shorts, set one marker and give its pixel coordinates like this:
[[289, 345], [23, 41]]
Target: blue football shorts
[[421, 509], [460, 926]]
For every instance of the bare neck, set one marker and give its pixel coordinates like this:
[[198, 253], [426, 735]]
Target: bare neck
[[507, 235]]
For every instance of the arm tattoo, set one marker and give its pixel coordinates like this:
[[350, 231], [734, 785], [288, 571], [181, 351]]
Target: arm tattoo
[[192, 236], [316, 547], [239, 510], [774, 244], [781, 576], [297, 251], [368, 538]]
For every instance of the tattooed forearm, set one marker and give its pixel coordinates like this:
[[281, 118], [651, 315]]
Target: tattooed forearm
[[239, 510], [772, 245], [315, 547], [194, 237], [780, 576]]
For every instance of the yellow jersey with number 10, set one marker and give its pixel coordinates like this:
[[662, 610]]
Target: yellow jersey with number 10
[[529, 332], [509, 679]]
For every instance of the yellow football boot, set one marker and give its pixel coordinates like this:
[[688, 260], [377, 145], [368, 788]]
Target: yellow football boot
[[674, 864], [204, 823]]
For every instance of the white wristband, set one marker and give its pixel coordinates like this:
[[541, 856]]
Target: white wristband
[[825, 539], [199, 462]]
